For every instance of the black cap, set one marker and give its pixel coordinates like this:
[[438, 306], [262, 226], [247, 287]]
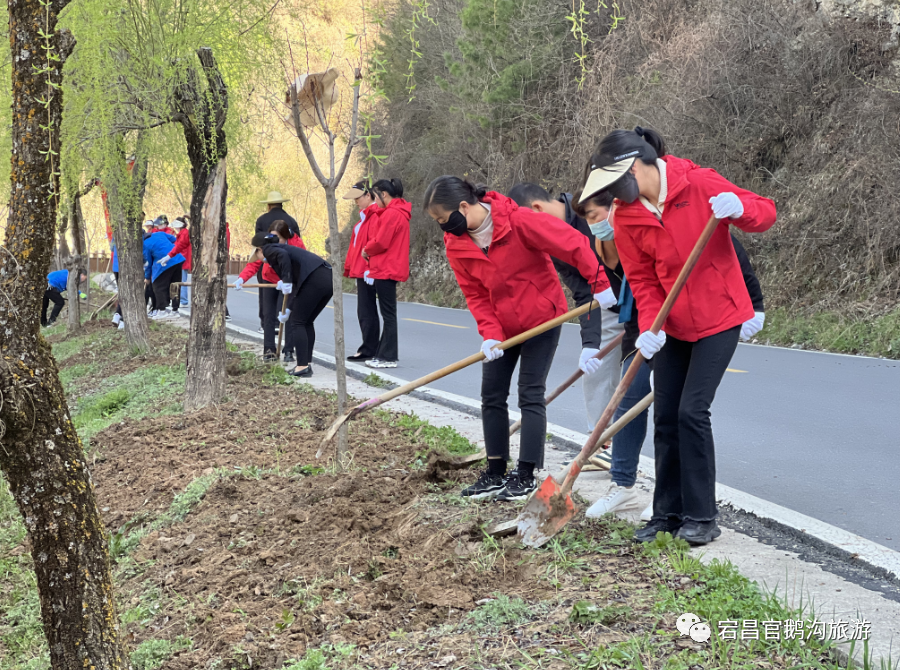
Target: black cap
[[262, 239]]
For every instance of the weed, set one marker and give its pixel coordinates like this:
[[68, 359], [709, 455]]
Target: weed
[[443, 438], [318, 659], [277, 375], [391, 552], [833, 331], [151, 654], [488, 553], [307, 599], [284, 623], [374, 380], [501, 612], [149, 602], [374, 570], [306, 470], [589, 613]]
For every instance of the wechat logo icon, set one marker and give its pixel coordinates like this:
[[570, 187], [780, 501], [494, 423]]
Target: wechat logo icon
[[691, 625]]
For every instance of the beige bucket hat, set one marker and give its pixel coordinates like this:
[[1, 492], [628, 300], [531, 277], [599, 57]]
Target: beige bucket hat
[[275, 198]]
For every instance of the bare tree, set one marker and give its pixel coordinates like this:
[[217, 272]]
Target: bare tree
[[318, 98], [76, 257], [40, 453], [201, 110]]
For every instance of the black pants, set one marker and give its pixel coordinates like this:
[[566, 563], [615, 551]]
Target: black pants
[[150, 296], [386, 292], [535, 357], [308, 303], [161, 286], [271, 304], [54, 296], [686, 376], [368, 316]]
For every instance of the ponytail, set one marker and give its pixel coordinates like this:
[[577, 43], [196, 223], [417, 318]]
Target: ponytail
[[653, 138], [393, 187], [448, 192]]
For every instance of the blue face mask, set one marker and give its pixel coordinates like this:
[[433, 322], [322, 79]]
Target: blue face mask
[[602, 230]]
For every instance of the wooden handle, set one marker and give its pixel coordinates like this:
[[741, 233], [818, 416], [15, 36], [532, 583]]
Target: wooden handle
[[594, 439], [281, 328], [573, 378], [183, 283]]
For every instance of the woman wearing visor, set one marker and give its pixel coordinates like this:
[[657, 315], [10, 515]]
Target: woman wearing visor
[[662, 204]]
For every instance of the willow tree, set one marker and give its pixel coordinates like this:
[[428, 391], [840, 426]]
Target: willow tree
[[145, 71], [40, 453]]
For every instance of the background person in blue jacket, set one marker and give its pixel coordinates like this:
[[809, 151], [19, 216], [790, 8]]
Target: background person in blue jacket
[[160, 270], [56, 284]]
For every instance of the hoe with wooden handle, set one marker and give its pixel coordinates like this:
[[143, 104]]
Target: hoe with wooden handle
[[453, 367], [551, 507], [281, 329]]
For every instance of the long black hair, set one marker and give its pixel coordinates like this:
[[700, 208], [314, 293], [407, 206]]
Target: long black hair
[[448, 192], [646, 141], [392, 187]]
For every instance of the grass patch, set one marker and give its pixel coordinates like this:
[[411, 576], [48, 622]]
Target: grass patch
[[151, 654], [502, 612], [443, 438], [831, 331], [135, 395], [374, 380], [322, 658], [22, 642]]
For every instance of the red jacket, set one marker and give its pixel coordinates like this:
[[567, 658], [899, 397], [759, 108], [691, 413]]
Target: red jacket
[[354, 264], [515, 286], [269, 275], [653, 252], [183, 246], [388, 245]]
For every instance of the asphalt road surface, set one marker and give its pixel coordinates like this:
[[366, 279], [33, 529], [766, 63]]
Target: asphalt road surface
[[816, 433]]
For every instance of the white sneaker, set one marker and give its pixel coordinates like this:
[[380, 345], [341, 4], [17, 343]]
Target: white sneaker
[[379, 363], [117, 318], [152, 314], [618, 499], [121, 325], [163, 315], [260, 330], [648, 512]]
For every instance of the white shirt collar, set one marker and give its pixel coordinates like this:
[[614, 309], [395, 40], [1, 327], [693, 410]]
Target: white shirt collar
[[657, 210]]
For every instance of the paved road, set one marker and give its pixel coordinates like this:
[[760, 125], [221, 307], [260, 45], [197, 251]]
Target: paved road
[[816, 433]]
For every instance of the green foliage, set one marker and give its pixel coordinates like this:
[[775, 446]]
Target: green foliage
[[586, 612], [501, 612], [319, 659], [151, 654], [832, 331], [374, 380], [440, 438]]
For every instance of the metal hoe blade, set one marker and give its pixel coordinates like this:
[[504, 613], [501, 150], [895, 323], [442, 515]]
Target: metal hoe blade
[[544, 515]]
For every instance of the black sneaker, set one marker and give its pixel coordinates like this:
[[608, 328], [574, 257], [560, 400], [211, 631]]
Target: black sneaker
[[654, 526], [697, 533], [518, 486], [486, 486], [269, 357], [289, 357]]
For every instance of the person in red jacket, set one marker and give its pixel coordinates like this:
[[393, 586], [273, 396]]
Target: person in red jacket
[[183, 247], [271, 298], [387, 250], [356, 267], [661, 205], [501, 255]]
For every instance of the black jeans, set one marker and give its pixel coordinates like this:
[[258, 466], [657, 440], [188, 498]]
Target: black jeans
[[686, 376], [309, 301], [386, 292], [151, 296], [368, 316], [161, 286], [54, 296], [535, 357], [271, 304]]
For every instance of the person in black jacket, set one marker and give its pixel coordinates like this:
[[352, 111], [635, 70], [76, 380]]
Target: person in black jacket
[[628, 442], [598, 326], [307, 281], [274, 212]]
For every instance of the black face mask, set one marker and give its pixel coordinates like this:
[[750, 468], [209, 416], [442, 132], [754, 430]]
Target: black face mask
[[625, 188], [455, 224]]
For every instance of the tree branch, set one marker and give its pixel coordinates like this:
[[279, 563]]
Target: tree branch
[[353, 140], [302, 136]]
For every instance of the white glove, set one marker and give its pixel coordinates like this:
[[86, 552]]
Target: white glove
[[752, 326], [491, 354], [286, 288], [727, 205], [282, 318], [278, 287], [649, 344], [164, 260], [366, 278], [587, 362], [606, 298], [239, 283]]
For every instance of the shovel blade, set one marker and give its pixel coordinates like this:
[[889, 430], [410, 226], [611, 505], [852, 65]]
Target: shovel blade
[[544, 515]]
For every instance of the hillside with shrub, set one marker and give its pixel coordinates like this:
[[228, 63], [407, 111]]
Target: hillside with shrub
[[795, 100]]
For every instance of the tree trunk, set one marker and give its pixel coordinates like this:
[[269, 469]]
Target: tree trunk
[[337, 262], [73, 301], [40, 453], [125, 196], [202, 114], [205, 383]]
